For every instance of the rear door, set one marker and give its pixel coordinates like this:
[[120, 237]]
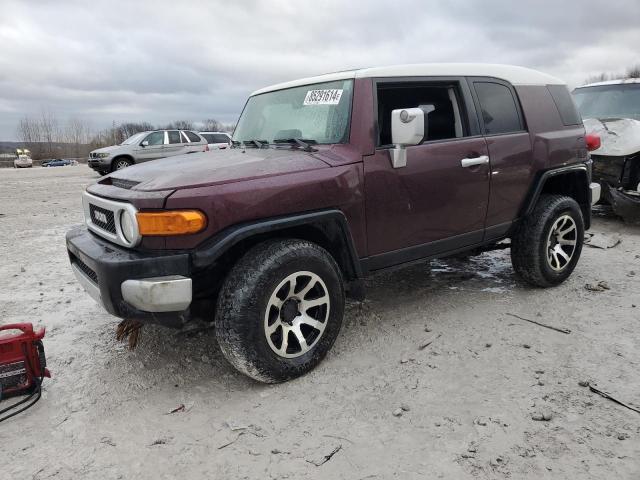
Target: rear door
[[503, 125], [438, 201], [176, 145], [194, 142]]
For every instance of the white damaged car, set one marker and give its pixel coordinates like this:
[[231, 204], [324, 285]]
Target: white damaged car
[[611, 110]]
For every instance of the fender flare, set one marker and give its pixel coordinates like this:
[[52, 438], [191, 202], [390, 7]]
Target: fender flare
[[536, 190], [332, 223]]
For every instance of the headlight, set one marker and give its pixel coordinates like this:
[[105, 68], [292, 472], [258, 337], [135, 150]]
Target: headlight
[[102, 155], [128, 226]]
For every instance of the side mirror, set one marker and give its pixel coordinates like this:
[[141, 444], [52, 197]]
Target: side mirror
[[409, 126], [145, 143]]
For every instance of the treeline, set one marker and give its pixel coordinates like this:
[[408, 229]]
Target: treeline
[[47, 137], [631, 72]]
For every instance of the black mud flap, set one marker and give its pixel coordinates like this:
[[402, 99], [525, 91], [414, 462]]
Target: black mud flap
[[624, 205]]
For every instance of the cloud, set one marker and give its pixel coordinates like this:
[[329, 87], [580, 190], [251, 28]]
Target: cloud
[[161, 60]]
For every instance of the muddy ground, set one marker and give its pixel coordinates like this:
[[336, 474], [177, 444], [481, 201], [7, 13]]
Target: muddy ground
[[469, 396]]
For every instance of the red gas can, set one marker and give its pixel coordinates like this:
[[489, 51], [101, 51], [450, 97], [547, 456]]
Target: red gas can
[[22, 360]]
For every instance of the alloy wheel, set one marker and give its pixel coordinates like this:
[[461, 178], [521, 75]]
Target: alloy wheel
[[561, 243], [296, 315]]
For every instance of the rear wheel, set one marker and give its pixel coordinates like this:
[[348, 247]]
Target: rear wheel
[[120, 163], [280, 310], [547, 245]]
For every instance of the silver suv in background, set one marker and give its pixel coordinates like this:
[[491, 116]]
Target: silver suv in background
[[217, 140], [145, 146]]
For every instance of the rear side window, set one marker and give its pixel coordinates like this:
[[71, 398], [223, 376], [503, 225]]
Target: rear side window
[[564, 103], [174, 136], [498, 107], [216, 137], [192, 136]]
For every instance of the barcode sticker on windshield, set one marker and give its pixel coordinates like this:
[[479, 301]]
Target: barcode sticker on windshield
[[323, 97]]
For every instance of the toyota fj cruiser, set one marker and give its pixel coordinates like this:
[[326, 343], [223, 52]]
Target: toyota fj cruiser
[[332, 178]]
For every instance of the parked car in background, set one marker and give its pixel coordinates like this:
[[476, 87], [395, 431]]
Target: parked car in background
[[59, 162], [337, 177], [217, 140], [23, 159], [145, 146], [612, 111]]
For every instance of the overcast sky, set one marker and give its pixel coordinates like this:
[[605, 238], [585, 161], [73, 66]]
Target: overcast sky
[[158, 61]]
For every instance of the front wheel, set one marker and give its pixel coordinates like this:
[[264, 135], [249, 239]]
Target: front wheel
[[547, 244], [120, 163], [280, 310]]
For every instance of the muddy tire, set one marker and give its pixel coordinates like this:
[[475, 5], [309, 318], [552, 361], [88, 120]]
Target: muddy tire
[[547, 244], [280, 310]]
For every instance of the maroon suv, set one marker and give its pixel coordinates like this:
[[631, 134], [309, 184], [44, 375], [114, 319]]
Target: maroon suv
[[329, 179]]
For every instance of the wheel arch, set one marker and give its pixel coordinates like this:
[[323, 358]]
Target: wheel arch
[[327, 228], [572, 181]]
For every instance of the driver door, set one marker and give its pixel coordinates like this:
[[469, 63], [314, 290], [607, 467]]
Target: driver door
[[154, 149], [437, 202]]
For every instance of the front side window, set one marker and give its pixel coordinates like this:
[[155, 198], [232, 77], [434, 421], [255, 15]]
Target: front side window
[[609, 101], [443, 122], [155, 138], [498, 108], [174, 136], [320, 112]]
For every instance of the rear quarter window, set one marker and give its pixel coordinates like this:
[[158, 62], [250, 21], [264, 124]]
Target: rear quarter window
[[192, 136], [565, 105], [498, 108]]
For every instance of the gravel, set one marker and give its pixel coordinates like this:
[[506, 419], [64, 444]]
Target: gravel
[[103, 414]]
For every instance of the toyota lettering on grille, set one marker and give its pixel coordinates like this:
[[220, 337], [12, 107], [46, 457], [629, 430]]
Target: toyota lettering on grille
[[100, 217]]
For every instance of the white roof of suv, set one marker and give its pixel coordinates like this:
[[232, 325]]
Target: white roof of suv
[[512, 74]]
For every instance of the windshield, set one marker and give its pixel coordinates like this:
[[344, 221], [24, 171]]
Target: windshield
[[134, 138], [319, 112], [609, 101]]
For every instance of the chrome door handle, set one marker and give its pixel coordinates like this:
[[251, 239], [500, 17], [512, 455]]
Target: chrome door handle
[[471, 162]]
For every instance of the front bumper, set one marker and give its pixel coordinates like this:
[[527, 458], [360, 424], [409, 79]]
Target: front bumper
[[151, 287], [99, 163]]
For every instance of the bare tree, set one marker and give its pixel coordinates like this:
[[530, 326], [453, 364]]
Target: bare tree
[[633, 72], [75, 135], [30, 134], [180, 125], [212, 125], [50, 131], [603, 77]]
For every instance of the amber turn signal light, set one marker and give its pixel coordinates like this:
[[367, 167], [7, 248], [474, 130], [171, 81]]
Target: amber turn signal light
[[178, 222]]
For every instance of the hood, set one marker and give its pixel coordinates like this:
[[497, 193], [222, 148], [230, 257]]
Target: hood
[[106, 149], [215, 167], [619, 136]]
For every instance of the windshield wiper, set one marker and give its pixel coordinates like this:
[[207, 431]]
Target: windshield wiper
[[305, 144]]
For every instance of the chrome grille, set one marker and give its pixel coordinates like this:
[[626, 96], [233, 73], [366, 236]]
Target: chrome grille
[[103, 217]]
